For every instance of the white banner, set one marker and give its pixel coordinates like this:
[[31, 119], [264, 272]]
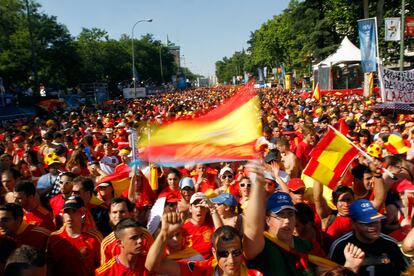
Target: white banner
[[397, 86], [392, 29]]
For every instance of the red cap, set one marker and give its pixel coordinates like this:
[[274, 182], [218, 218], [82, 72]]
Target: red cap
[[403, 185], [295, 184], [18, 139], [171, 198]]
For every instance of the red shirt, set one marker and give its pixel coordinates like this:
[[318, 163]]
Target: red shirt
[[40, 217], [32, 235], [110, 247], [207, 183], [341, 225], [302, 152], [199, 237], [114, 268], [73, 256], [191, 268], [167, 191], [57, 203]]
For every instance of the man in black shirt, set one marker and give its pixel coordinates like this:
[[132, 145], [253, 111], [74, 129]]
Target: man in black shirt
[[382, 254]]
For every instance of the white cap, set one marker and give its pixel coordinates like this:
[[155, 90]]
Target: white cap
[[186, 182], [315, 120], [197, 196], [109, 130], [226, 169]]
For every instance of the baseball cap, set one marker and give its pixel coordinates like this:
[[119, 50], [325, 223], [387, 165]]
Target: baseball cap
[[171, 198], [186, 182], [272, 156], [73, 202], [295, 184], [363, 211], [109, 130], [279, 201], [197, 196], [226, 199], [226, 169], [104, 184]]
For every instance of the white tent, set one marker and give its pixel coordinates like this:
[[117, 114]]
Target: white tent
[[346, 52]]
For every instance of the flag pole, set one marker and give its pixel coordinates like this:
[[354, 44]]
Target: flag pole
[[390, 174]]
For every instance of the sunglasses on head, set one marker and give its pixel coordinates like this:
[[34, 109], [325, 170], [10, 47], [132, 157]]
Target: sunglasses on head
[[248, 185], [225, 253]]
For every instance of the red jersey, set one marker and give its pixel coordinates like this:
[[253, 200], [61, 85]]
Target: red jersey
[[191, 268], [57, 203], [40, 217], [207, 183], [199, 238], [341, 225], [167, 191], [113, 267], [302, 152], [110, 247], [32, 235], [73, 256]]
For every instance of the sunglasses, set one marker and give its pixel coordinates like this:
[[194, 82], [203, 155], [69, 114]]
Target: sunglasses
[[229, 176], [76, 192], [225, 253], [298, 192], [171, 204], [248, 185]]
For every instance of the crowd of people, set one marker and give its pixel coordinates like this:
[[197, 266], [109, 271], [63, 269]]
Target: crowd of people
[[63, 210]]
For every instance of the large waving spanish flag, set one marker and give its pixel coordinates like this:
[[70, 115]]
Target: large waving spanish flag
[[330, 158], [227, 133]]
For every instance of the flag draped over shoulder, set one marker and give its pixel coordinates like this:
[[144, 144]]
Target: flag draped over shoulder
[[227, 133], [330, 159]]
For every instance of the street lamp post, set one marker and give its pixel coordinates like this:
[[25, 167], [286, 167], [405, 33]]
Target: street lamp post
[[133, 52]]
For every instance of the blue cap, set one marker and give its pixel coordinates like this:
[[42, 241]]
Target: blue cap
[[186, 182], [279, 201], [363, 211], [226, 199]]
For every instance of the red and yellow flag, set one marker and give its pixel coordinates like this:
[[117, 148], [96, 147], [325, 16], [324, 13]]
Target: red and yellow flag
[[227, 133], [330, 159], [317, 93]]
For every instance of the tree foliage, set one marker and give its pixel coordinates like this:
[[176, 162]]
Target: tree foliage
[[63, 60], [307, 32]]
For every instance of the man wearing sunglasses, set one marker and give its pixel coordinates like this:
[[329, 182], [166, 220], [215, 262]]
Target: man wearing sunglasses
[[276, 251], [227, 252]]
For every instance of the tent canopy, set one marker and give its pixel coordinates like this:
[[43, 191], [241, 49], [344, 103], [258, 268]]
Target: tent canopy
[[346, 52]]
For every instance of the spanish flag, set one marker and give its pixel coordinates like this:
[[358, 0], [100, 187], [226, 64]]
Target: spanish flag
[[330, 159], [317, 93], [227, 133]]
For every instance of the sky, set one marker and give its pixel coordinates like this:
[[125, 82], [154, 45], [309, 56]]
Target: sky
[[206, 30]]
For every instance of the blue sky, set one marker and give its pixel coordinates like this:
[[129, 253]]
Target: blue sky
[[206, 30]]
